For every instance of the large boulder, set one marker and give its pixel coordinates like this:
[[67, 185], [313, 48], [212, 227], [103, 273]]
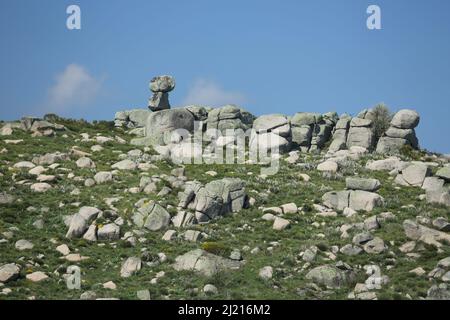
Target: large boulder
[[216, 198], [357, 200], [151, 216], [444, 173], [80, 222], [160, 86], [271, 133], [135, 118], [362, 184], [405, 119], [361, 133], [161, 126], [400, 133], [331, 276], [417, 232], [413, 175], [204, 263]]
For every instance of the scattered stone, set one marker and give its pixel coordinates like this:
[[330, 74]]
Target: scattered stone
[[370, 185], [124, 165], [375, 246], [110, 285], [143, 295], [85, 162], [40, 187], [280, 224], [131, 266], [331, 276], [110, 231], [63, 249], [210, 289], [37, 276], [9, 272], [205, 263], [103, 177], [266, 273], [24, 245]]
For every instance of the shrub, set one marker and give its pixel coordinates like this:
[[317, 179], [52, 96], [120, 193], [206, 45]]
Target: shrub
[[382, 117]]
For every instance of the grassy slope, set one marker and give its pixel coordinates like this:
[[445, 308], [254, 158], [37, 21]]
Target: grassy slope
[[105, 261]]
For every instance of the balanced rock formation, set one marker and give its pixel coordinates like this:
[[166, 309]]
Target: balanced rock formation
[[400, 133], [160, 86]]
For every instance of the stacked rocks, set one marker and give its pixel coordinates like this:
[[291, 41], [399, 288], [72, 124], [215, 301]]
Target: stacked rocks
[[310, 131], [359, 195], [361, 132], [271, 132], [216, 198], [340, 134], [229, 117], [135, 118], [400, 133], [160, 86]]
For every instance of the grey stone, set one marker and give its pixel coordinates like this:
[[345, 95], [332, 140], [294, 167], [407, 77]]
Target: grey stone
[[162, 83], [103, 177], [143, 295], [24, 245], [405, 119], [362, 238], [110, 231], [204, 263], [159, 101], [131, 266], [331, 276], [350, 250], [362, 184], [162, 124], [266, 273], [9, 272], [375, 246], [151, 216], [415, 174], [444, 173]]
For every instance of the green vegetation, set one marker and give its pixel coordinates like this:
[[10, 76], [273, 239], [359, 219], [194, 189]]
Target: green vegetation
[[279, 249]]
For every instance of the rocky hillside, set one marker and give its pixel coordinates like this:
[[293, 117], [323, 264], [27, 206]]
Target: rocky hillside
[[331, 224]]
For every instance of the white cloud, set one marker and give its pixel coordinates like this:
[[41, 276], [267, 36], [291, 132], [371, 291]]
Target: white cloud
[[208, 93], [74, 87]]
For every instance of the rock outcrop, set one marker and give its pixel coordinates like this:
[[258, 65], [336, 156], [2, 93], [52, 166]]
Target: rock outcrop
[[400, 133]]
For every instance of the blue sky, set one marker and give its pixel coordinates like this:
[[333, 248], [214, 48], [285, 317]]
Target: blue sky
[[268, 56]]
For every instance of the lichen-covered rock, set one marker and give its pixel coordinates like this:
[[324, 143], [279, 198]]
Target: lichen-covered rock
[[204, 263]]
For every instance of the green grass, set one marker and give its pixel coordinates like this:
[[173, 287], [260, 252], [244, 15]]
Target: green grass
[[225, 233]]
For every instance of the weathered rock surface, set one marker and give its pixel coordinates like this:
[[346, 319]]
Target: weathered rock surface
[[205, 263]]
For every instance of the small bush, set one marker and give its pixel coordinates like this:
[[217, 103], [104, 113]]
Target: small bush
[[382, 117]]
